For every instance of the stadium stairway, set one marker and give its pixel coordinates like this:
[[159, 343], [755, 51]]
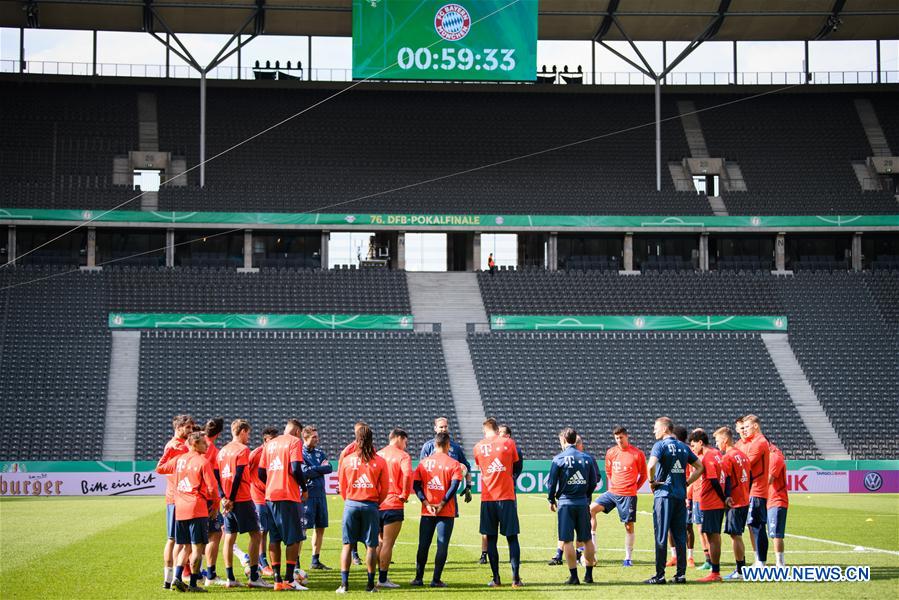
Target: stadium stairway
[[868, 116], [453, 300], [121, 396], [698, 148], [804, 398]]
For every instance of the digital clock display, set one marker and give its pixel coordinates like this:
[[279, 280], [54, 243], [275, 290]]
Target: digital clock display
[[482, 40]]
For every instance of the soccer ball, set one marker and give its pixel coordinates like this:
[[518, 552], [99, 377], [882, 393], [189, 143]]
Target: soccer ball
[[299, 575]]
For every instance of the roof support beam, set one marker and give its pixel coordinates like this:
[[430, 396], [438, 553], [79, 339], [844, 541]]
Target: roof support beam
[[833, 21]]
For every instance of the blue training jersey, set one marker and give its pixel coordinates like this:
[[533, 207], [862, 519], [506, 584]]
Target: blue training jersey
[[455, 452], [673, 457], [315, 471], [595, 466], [572, 478]]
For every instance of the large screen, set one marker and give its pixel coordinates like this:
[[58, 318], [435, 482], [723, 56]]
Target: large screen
[[483, 40]]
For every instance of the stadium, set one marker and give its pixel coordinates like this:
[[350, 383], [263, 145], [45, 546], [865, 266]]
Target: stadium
[[449, 234]]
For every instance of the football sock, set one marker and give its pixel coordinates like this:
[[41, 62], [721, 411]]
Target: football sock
[[573, 573], [179, 571], [193, 579], [589, 573], [629, 545], [345, 579], [288, 571], [230, 571], [382, 576], [254, 572], [558, 555], [276, 567], [716, 567], [493, 556], [740, 565], [167, 573], [514, 555]]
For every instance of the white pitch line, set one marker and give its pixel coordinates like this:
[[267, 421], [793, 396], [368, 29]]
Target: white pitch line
[[853, 546], [550, 549]]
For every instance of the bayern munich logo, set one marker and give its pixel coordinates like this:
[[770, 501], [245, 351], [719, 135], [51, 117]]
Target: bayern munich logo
[[452, 22]]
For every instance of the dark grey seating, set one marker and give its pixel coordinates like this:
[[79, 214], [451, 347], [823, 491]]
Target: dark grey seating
[[55, 345], [329, 379], [541, 382]]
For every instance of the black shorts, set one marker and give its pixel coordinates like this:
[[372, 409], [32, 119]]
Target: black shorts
[[193, 531], [242, 518], [499, 515]]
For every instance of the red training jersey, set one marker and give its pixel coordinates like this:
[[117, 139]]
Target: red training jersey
[[495, 457], [687, 472], [436, 474], [756, 448], [174, 447], [736, 467], [708, 498], [196, 488], [363, 481], [399, 472], [279, 453], [257, 488], [626, 470], [212, 453], [777, 471], [234, 455]]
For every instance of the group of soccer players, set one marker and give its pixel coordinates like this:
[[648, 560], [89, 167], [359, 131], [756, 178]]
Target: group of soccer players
[[277, 491]]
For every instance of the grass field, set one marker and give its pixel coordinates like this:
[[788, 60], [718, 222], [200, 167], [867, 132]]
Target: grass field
[[111, 548]]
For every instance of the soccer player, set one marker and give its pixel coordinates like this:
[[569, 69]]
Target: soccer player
[[238, 508], [281, 469], [257, 492], [315, 467], [668, 482], [506, 432], [182, 426], [436, 481], [364, 483], [680, 432], [714, 497], [500, 465], [212, 430], [572, 480], [391, 511], [755, 446], [441, 425], [350, 448], [736, 467], [557, 559], [778, 502], [626, 472], [196, 501]]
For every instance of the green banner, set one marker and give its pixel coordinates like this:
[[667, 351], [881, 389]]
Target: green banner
[[238, 321], [483, 40], [362, 221], [637, 323]]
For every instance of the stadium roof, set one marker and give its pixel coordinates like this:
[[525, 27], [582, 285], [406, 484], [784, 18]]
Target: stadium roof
[[673, 20]]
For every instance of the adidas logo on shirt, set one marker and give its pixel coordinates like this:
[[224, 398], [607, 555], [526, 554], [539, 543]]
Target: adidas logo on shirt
[[226, 472], [496, 466], [184, 485], [577, 479], [276, 465], [677, 467], [363, 482], [435, 484]]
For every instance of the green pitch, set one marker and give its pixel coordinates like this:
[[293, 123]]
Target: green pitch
[[112, 548]]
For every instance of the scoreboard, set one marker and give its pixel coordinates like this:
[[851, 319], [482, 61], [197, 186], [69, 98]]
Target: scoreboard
[[478, 40]]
